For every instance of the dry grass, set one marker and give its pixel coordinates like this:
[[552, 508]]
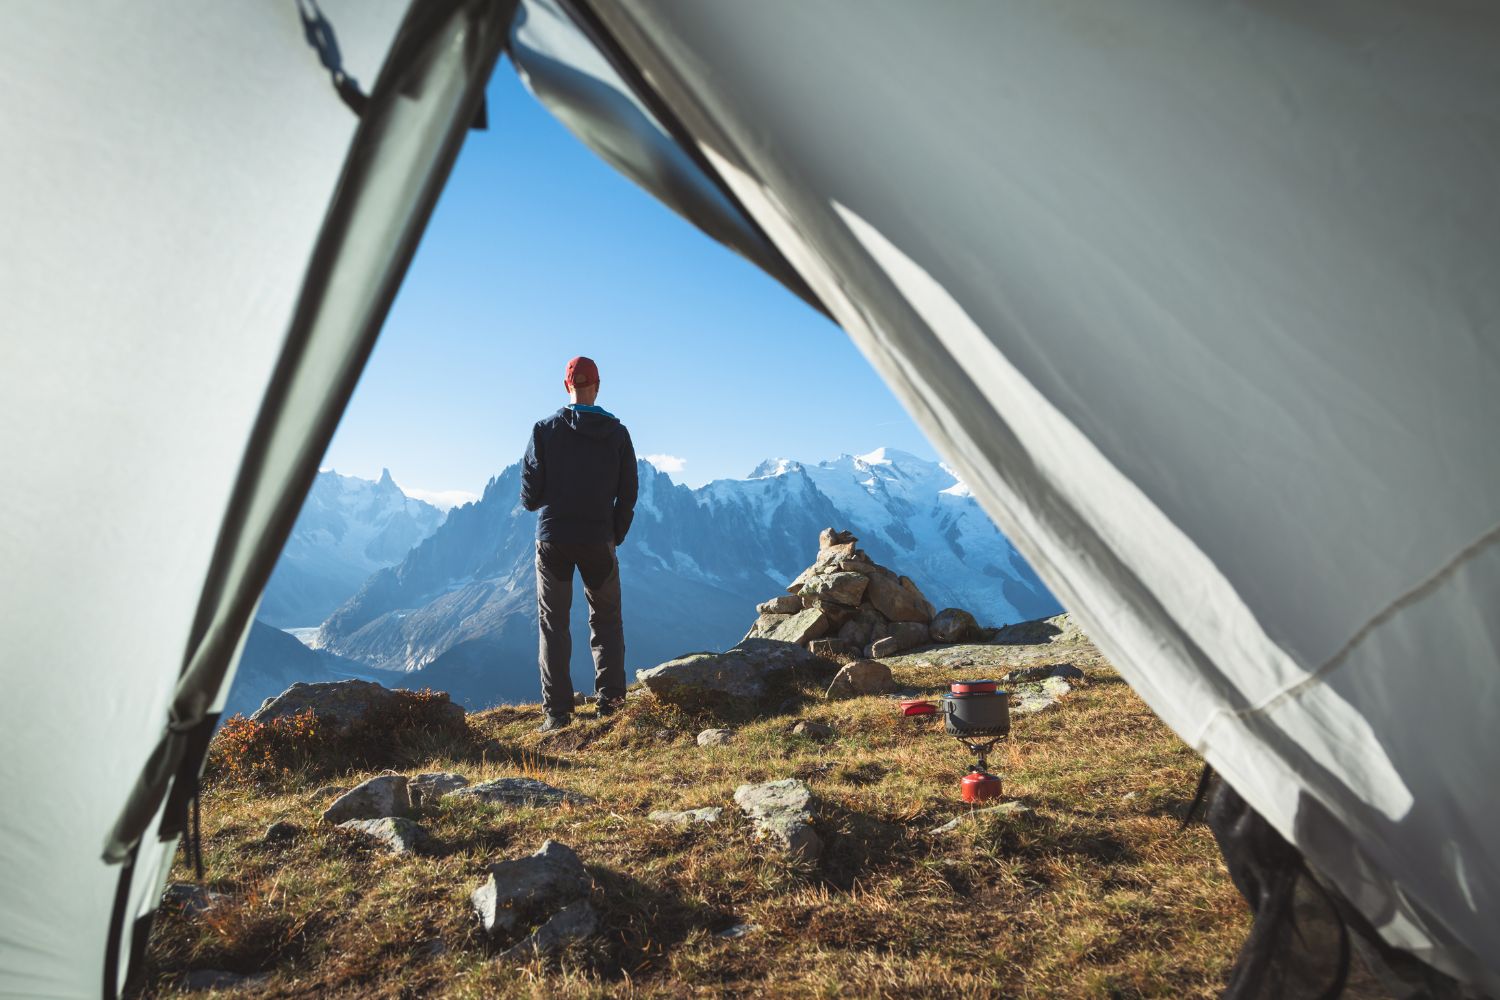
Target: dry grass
[[1093, 894]]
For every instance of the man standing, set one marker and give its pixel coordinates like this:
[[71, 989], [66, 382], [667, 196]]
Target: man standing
[[580, 473]]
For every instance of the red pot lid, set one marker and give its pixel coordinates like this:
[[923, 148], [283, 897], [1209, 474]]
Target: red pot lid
[[974, 687]]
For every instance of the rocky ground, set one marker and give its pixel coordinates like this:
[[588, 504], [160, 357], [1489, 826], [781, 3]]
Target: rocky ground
[[808, 847]]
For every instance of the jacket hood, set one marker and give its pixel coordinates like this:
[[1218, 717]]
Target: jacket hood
[[594, 423]]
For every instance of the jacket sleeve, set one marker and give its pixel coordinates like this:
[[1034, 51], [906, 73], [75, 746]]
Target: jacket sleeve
[[533, 474], [626, 491]]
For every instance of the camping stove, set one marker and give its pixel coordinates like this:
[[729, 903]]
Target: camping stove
[[977, 714]]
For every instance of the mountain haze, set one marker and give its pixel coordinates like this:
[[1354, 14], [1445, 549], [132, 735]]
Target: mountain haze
[[459, 612], [348, 528]]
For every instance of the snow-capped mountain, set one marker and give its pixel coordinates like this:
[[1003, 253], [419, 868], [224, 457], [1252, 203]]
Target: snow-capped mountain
[[458, 613], [348, 529]]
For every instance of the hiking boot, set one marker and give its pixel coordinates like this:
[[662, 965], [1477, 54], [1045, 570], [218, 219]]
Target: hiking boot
[[608, 706], [553, 723]]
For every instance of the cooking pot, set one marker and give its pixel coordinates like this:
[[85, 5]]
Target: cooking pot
[[976, 708]]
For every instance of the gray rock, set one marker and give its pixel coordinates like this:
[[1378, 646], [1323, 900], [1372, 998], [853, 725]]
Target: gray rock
[[803, 627], [575, 922], [787, 605], [830, 538], [859, 631], [862, 677], [327, 791], [394, 833], [1044, 695], [337, 704], [374, 799], [889, 646], [687, 817], [898, 598], [428, 787], [766, 625], [1065, 671], [813, 730], [954, 625], [519, 792], [782, 813], [740, 673], [529, 889], [715, 737], [201, 980], [281, 832], [839, 587], [1003, 809], [191, 899], [738, 931], [1043, 631]]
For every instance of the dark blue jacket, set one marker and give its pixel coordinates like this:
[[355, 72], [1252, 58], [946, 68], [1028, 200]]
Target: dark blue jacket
[[579, 471]]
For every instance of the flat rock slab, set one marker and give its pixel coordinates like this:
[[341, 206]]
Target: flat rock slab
[[394, 833], [789, 604], [529, 890], [191, 899], [427, 788], [337, 704], [715, 737], [687, 817], [203, 980], [519, 792], [1003, 809], [782, 813], [738, 674], [374, 799], [1065, 671], [1044, 695]]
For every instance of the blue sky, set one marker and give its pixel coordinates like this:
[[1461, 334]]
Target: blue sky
[[537, 252]]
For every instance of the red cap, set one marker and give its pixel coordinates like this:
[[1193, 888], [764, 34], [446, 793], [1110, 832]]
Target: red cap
[[581, 371]]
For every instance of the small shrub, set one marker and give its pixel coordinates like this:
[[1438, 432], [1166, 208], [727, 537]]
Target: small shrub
[[413, 727], [244, 751]]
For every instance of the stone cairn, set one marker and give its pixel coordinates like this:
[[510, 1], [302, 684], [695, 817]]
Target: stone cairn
[[844, 603]]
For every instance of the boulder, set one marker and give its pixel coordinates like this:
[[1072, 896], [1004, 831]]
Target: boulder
[[766, 625], [889, 646], [1057, 629], [518, 792], [574, 922], [738, 674], [829, 538], [837, 587], [339, 704], [801, 628], [898, 598], [788, 605], [813, 730], [528, 890], [715, 737], [954, 625], [394, 833], [865, 627], [781, 812], [427, 788], [861, 677], [374, 799], [687, 817]]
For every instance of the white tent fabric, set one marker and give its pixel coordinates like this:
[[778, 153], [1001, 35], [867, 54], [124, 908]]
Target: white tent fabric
[[193, 275], [1203, 300]]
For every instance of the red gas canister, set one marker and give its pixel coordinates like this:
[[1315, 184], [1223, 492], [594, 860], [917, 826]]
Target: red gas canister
[[980, 786]]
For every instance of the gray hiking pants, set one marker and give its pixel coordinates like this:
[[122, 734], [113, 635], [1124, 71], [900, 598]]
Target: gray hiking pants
[[600, 570]]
